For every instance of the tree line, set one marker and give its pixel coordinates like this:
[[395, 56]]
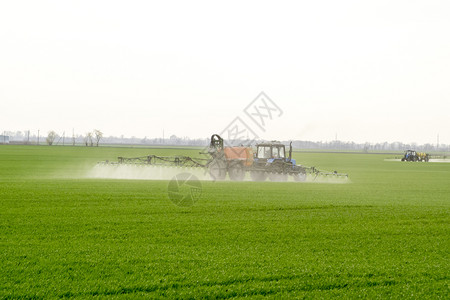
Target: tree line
[[90, 138], [93, 138]]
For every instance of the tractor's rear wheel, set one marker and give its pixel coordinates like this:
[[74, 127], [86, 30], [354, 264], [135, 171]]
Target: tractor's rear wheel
[[258, 175], [218, 169], [236, 171]]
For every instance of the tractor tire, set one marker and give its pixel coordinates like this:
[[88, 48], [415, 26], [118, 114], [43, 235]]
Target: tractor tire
[[236, 171], [258, 175], [278, 177], [218, 169]]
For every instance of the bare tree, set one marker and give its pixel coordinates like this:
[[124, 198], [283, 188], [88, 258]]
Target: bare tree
[[51, 137], [88, 139], [98, 136]]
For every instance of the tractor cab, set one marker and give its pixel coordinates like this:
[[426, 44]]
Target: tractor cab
[[270, 151], [410, 152], [410, 155]]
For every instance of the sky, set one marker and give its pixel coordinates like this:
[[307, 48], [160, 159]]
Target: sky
[[362, 71]]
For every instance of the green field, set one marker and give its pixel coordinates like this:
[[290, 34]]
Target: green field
[[383, 234]]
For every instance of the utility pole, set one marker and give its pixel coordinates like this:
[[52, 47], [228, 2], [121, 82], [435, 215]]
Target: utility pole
[[73, 137], [437, 145], [38, 138], [64, 137]]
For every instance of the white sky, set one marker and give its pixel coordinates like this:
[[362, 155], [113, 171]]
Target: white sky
[[365, 70]]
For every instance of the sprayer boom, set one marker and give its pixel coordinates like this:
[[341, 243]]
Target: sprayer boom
[[268, 160]]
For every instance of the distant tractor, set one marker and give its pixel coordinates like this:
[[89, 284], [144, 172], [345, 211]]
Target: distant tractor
[[411, 155]]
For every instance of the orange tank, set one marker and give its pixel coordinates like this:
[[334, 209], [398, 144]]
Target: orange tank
[[244, 154]]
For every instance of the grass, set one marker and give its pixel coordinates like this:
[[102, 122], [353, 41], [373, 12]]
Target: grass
[[385, 234]]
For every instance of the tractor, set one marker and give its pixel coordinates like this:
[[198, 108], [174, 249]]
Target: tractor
[[411, 155], [269, 160]]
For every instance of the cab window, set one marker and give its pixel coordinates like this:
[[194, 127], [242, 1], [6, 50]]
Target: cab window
[[281, 151], [264, 152], [275, 153]]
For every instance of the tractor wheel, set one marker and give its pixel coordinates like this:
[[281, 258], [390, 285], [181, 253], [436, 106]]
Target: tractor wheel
[[218, 169], [236, 171], [258, 175], [299, 176], [278, 176]]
